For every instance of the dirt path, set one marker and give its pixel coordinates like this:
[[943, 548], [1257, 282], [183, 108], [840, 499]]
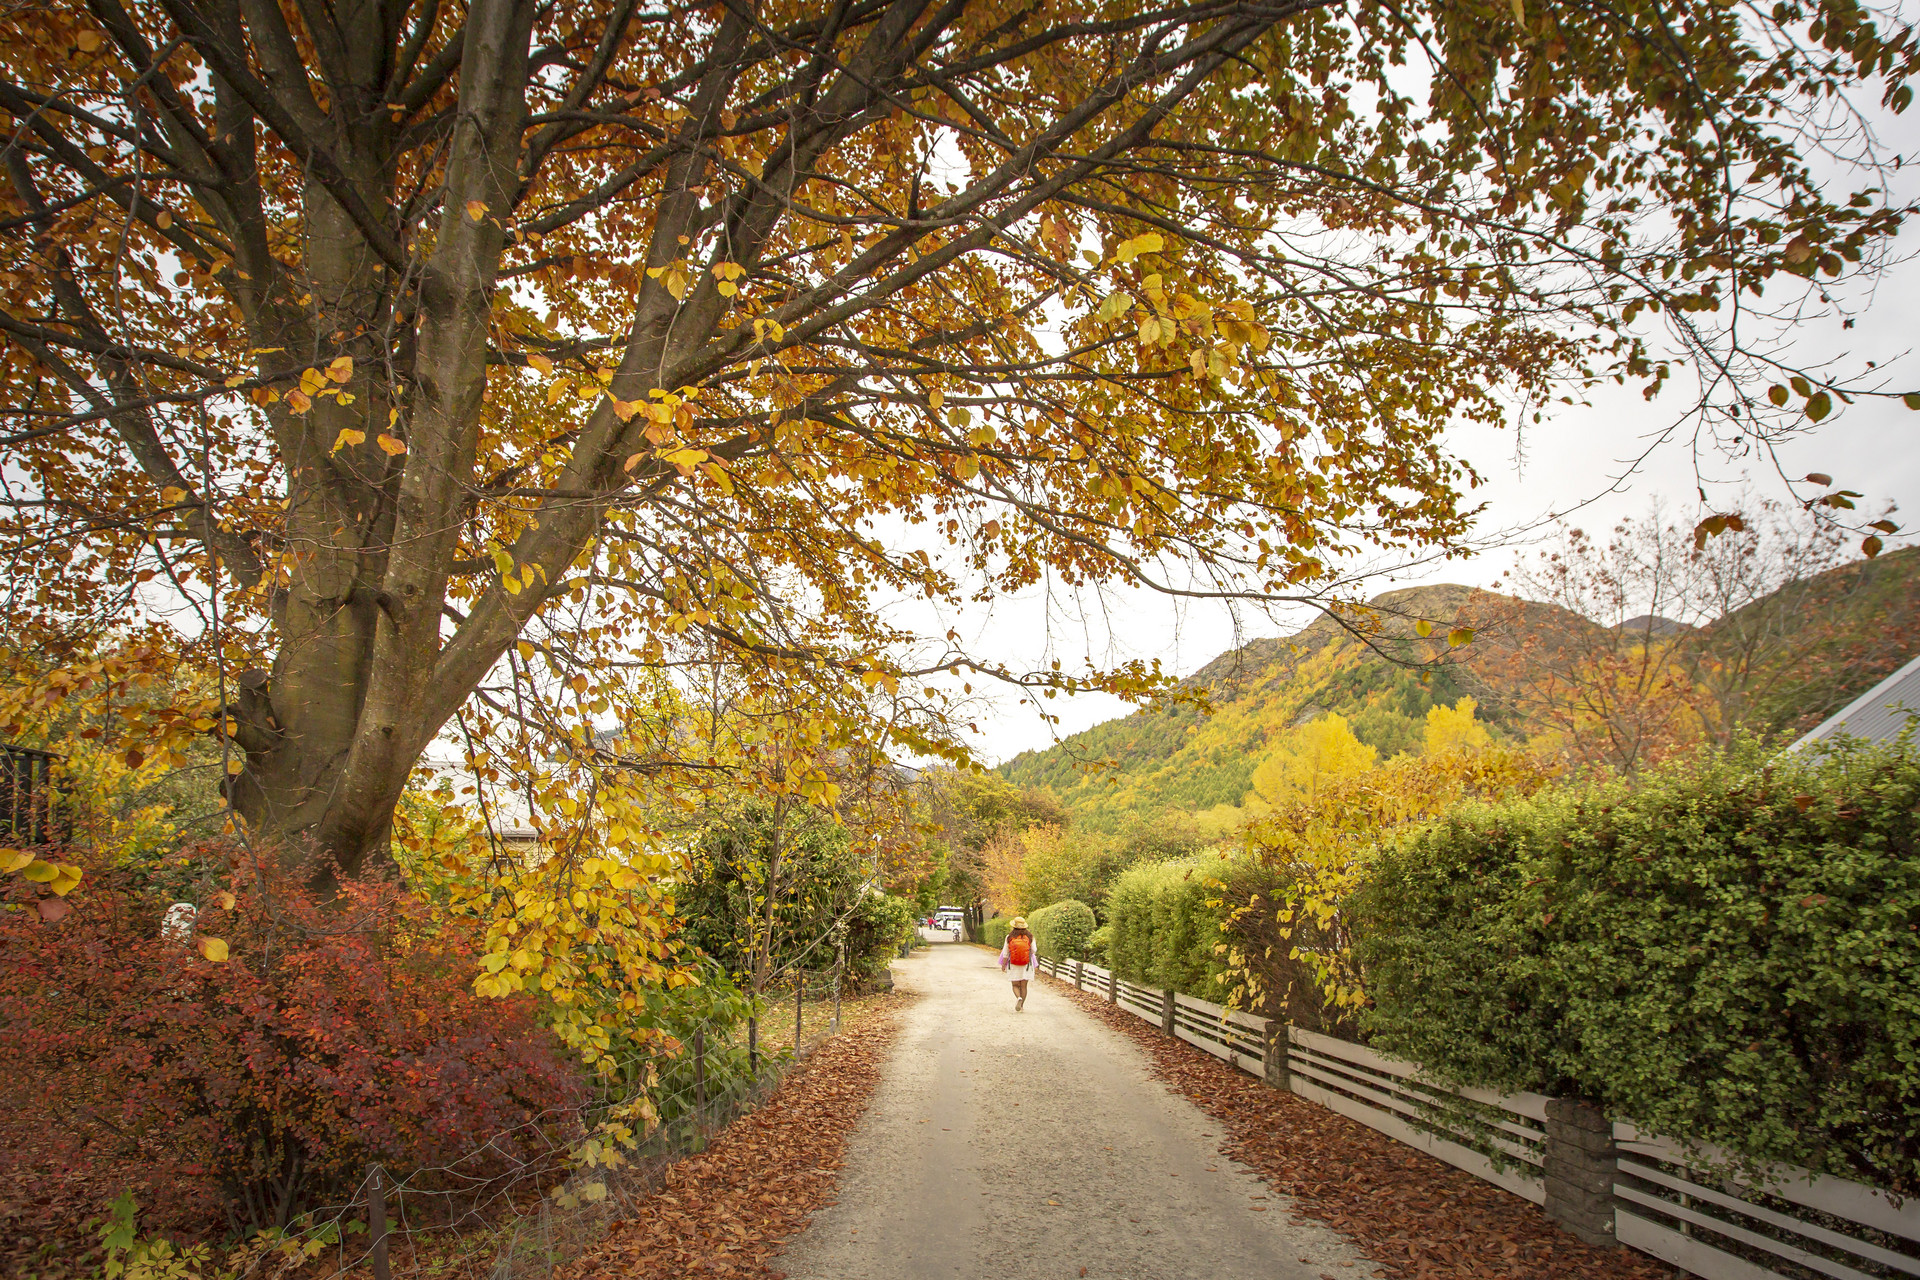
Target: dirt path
[[1037, 1143]]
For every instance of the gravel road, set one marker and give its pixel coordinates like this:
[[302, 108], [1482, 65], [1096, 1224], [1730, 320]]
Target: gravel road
[[1036, 1144]]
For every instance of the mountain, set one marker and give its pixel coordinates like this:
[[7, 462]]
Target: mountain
[[1373, 667]]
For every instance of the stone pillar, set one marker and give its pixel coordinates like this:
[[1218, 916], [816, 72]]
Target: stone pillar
[[1275, 1065], [1166, 1011], [1580, 1167]]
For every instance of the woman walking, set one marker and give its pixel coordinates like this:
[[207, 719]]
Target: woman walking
[[1017, 960]]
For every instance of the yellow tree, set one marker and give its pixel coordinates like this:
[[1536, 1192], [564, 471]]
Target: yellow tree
[[389, 338], [1321, 846], [1308, 760], [1455, 728]]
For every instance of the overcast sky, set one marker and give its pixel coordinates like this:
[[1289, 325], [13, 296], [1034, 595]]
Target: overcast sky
[[1579, 461]]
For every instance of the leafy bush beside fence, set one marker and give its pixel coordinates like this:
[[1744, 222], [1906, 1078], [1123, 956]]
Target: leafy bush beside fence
[[329, 1039], [1168, 920], [1061, 929], [876, 927], [1729, 953], [994, 931], [1164, 930], [1098, 946]]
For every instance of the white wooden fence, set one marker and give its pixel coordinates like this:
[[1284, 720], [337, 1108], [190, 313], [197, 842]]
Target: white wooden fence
[[1668, 1199], [1798, 1224]]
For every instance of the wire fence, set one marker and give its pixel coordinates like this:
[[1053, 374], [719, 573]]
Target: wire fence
[[522, 1201]]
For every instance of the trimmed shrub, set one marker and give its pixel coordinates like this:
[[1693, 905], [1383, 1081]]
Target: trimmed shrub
[[1164, 931], [1728, 953], [1098, 944], [879, 923], [994, 931], [1061, 930], [1168, 919]]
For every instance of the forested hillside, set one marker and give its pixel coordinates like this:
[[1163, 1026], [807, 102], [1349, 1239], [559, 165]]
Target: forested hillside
[[1538, 670]]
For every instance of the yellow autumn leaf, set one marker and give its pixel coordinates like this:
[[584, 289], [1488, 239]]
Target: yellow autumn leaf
[[348, 436], [12, 860], [392, 446], [539, 363], [300, 400], [41, 872], [1459, 636], [1423, 628], [225, 899], [64, 882], [477, 210], [341, 369], [214, 949], [172, 494]]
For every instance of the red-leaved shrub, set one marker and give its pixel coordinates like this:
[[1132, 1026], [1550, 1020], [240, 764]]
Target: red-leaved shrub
[[334, 1035]]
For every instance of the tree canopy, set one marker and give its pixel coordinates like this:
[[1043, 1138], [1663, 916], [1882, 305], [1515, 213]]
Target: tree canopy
[[393, 359]]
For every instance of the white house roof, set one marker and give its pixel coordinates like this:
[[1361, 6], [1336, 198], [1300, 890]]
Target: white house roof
[[1877, 715]]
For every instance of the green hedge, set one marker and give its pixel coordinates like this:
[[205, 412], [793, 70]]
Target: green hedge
[[1729, 952], [876, 927], [1061, 929], [1098, 946], [994, 931], [1163, 930]]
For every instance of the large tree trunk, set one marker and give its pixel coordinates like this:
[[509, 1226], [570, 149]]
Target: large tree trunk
[[334, 729]]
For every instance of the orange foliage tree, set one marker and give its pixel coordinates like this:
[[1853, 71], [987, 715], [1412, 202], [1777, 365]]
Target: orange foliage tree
[[475, 355], [1664, 638]]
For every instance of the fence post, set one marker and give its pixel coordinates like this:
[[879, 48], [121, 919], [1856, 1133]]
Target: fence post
[[1113, 986], [377, 1221], [1275, 1056], [1079, 975], [1581, 1163], [1167, 1006], [700, 1075]]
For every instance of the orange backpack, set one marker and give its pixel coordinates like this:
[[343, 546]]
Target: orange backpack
[[1019, 949]]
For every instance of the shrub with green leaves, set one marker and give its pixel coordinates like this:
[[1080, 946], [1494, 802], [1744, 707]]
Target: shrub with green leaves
[[1061, 929], [876, 926], [1165, 918], [1728, 952], [1098, 945], [994, 931]]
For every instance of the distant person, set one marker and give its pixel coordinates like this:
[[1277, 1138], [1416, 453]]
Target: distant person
[[1017, 956]]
